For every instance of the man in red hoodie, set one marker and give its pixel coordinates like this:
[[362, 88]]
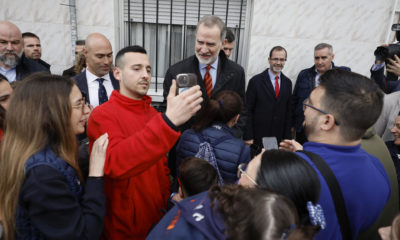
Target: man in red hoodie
[[136, 173]]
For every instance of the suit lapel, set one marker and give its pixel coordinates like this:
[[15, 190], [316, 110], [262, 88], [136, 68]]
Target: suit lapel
[[268, 84], [81, 82], [223, 76]]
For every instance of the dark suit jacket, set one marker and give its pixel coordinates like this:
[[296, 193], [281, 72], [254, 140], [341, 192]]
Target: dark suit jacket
[[44, 64], [27, 66], [230, 76], [268, 116], [81, 82], [70, 72]]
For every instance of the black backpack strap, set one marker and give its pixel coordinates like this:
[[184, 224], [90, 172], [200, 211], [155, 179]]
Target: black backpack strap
[[336, 193]]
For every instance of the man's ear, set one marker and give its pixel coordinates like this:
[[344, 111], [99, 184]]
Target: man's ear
[[333, 56], [117, 73], [224, 42], [329, 122]]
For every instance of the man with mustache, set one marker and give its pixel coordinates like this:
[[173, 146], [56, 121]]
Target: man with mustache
[[268, 102], [33, 48], [13, 64], [97, 81], [307, 80]]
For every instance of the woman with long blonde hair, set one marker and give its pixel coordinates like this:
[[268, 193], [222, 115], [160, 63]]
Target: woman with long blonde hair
[[41, 187]]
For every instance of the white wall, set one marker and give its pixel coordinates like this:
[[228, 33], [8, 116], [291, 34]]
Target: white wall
[[354, 27], [51, 22]]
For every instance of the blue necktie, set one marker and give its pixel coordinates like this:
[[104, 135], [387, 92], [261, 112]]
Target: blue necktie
[[102, 91]]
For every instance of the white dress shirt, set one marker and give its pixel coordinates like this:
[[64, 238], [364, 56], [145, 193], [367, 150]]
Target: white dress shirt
[[93, 87]]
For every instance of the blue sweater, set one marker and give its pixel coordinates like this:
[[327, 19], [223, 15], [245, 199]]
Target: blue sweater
[[52, 203], [229, 153], [364, 183]]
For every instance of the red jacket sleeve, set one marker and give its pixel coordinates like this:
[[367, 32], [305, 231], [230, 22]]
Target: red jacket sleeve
[[128, 156]]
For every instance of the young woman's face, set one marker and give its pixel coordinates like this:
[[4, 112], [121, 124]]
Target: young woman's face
[[79, 110], [5, 94]]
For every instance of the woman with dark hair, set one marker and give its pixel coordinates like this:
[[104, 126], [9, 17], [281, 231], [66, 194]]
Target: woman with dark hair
[[213, 124], [41, 188], [290, 175], [232, 212]]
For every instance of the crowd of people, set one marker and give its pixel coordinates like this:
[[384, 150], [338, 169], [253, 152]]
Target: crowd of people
[[86, 156]]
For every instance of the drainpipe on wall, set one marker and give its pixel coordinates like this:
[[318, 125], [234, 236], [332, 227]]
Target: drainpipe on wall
[[391, 21], [74, 27]]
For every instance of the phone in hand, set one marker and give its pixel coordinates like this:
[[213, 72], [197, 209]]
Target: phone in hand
[[185, 81], [270, 143]]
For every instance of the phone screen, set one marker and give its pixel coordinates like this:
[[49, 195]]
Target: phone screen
[[270, 143]]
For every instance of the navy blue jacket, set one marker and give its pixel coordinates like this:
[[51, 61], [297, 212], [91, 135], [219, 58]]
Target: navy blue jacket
[[268, 116], [305, 83], [380, 79], [192, 218], [52, 203], [229, 153], [27, 66]]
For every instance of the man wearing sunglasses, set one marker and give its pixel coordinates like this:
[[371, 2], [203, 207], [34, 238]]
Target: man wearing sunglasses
[[337, 114]]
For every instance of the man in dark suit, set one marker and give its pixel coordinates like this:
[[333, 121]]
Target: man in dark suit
[[268, 102], [13, 64], [224, 73], [212, 68], [97, 81], [307, 80], [33, 48]]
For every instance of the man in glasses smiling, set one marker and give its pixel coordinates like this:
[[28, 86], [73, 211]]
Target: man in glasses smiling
[[337, 114], [268, 101]]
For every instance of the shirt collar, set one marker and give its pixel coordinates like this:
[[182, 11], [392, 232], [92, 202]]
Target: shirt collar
[[10, 69], [213, 65], [272, 76], [91, 77], [315, 69]]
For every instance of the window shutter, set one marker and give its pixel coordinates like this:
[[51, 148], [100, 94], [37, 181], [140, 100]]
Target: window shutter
[[178, 11]]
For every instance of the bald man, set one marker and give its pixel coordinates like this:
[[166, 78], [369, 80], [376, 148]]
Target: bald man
[[13, 64], [97, 81]]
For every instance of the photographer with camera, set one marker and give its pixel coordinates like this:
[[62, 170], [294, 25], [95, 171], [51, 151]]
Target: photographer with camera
[[388, 55]]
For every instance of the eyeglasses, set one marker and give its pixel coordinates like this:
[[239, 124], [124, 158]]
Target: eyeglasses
[[242, 170], [278, 59], [80, 105], [305, 104]]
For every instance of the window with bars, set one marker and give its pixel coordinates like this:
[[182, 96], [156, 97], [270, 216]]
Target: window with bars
[[167, 28]]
